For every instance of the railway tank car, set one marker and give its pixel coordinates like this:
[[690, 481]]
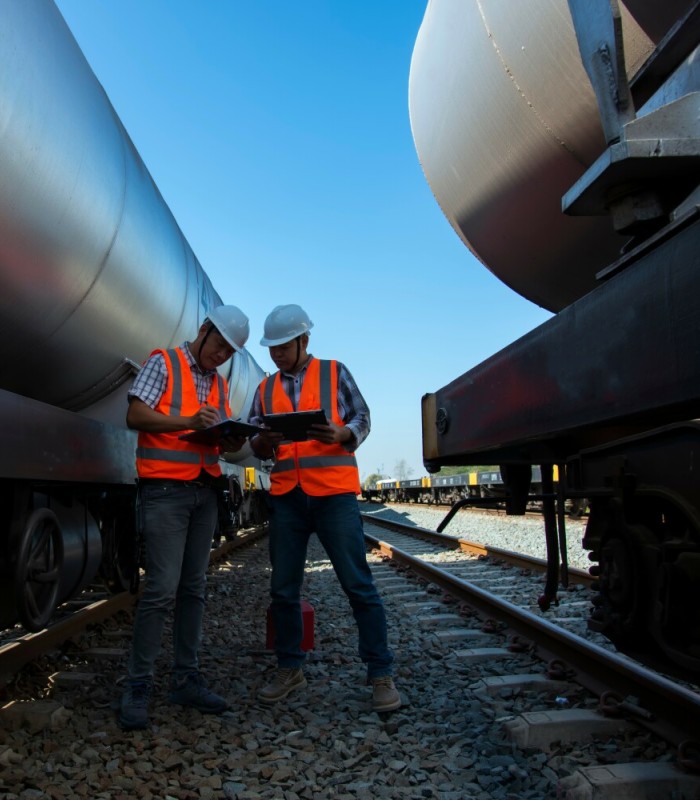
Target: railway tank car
[[562, 142], [94, 273]]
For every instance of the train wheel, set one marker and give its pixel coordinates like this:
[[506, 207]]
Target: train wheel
[[38, 570], [119, 557], [675, 621], [622, 611], [259, 513]]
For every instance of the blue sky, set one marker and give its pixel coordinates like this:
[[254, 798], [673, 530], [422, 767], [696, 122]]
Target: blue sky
[[278, 134]]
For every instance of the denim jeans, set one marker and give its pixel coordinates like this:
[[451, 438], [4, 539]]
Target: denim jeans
[[178, 525], [336, 521]]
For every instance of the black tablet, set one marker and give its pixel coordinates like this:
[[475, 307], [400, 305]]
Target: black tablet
[[215, 433], [295, 424]]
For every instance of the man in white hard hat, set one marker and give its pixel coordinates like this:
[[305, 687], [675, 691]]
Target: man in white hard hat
[[178, 390], [313, 489]]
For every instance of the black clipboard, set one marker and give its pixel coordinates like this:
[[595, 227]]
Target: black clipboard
[[215, 433], [295, 425]]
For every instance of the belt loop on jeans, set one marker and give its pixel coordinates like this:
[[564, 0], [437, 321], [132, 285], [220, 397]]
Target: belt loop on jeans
[[174, 482]]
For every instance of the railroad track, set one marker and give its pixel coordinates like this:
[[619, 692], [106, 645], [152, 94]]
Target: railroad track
[[498, 510], [472, 696], [601, 691], [94, 606]]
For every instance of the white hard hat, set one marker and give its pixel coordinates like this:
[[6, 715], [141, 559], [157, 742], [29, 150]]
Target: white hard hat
[[232, 324], [285, 323]]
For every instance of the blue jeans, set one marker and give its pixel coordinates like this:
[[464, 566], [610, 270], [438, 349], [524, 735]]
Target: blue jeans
[[336, 521], [178, 525]]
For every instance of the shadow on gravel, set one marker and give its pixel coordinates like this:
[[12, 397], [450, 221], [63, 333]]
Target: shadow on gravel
[[384, 512]]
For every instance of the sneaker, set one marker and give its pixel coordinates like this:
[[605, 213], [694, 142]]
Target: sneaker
[[385, 696], [192, 691], [285, 681], [133, 709]]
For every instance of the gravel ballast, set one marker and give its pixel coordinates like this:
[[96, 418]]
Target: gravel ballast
[[321, 743], [520, 534]]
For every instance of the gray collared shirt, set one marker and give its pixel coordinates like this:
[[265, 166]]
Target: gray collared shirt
[[352, 407]]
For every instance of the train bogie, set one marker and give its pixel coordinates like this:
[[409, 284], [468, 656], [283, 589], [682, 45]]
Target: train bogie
[[643, 534]]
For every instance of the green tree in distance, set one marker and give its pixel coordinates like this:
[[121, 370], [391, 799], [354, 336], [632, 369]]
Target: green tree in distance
[[371, 479], [462, 470]]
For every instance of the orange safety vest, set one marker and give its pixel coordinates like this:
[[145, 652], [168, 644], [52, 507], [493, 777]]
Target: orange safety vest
[[320, 469], [165, 455]]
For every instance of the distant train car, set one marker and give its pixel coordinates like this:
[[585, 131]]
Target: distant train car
[[412, 490], [446, 489], [387, 490], [451, 488], [243, 500], [475, 485]]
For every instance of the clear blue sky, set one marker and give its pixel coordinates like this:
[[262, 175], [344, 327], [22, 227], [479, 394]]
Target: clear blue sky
[[278, 134]]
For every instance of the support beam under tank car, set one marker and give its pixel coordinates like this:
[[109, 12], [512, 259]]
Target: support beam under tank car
[[623, 359]]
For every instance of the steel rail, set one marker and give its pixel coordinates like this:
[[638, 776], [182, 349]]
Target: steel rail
[[24, 649], [668, 709], [520, 560]]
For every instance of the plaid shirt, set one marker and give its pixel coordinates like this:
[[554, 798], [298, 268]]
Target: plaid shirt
[[150, 384], [352, 407]]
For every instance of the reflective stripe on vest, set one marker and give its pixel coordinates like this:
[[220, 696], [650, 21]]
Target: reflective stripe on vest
[[320, 469], [165, 455]]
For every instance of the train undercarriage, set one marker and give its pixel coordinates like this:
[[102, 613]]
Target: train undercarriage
[[67, 517], [68, 508], [644, 533], [615, 407], [56, 541]]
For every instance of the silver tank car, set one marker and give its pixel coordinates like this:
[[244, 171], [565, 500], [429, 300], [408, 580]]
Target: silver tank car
[[94, 274], [94, 270], [504, 121]]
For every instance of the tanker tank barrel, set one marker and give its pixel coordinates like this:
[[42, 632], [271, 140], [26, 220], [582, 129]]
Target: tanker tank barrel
[[94, 270]]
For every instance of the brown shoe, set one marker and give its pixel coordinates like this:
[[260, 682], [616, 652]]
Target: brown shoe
[[285, 681], [385, 697]]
